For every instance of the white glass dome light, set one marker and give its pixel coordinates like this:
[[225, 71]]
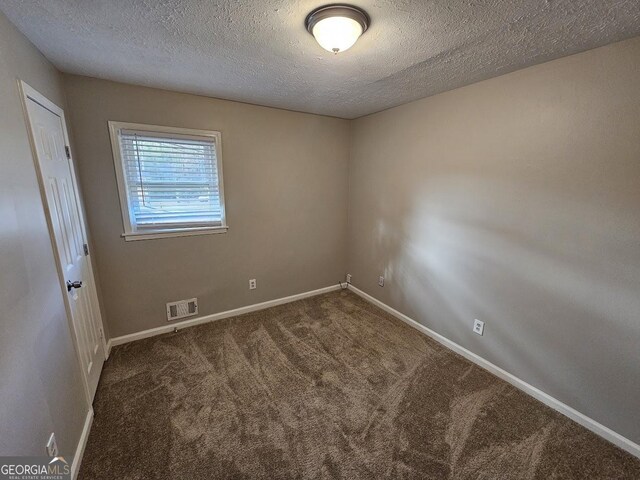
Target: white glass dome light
[[337, 27]]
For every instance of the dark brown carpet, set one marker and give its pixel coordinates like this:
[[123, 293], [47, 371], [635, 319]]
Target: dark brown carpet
[[327, 387]]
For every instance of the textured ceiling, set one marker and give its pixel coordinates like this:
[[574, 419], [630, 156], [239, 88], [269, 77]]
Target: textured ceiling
[[259, 51]]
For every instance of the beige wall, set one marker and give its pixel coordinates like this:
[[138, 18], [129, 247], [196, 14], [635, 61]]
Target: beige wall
[[516, 201], [285, 178], [40, 388]]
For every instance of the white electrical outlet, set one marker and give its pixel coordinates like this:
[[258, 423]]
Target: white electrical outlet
[[348, 278], [381, 281], [252, 284], [52, 446], [478, 327]]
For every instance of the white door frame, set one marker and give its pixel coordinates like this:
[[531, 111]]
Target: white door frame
[[29, 93]]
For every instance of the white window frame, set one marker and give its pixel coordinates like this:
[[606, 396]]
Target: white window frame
[[130, 231]]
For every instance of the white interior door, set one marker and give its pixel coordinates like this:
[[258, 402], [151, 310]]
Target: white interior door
[[66, 222]]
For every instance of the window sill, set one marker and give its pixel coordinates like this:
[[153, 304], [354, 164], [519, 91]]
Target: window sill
[[177, 232]]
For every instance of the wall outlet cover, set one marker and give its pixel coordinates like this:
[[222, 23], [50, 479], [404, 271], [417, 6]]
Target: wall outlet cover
[[52, 446], [478, 327], [381, 281], [253, 284], [348, 278]]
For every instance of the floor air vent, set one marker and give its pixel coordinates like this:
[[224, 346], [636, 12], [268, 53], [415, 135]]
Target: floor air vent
[[181, 309]]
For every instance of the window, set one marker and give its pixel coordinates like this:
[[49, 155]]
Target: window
[[169, 179]]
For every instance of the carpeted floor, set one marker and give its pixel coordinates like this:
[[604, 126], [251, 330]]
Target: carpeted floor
[[327, 387]]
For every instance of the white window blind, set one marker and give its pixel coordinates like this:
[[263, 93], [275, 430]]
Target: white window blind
[[172, 181]]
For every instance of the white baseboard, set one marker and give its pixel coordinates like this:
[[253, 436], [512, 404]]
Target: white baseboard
[[589, 423], [82, 443], [213, 317]]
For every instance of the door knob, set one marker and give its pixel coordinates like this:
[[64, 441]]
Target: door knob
[[76, 284]]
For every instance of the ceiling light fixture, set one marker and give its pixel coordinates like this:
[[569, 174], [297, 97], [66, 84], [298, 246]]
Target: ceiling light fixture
[[337, 27]]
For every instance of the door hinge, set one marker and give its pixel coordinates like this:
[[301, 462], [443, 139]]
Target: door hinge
[[85, 247], [67, 150], [101, 333]]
